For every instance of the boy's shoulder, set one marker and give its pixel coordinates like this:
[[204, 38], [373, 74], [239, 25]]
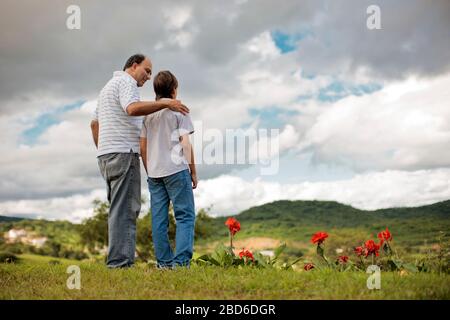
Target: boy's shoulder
[[175, 115], [178, 114], [154, 115], [164, 115]]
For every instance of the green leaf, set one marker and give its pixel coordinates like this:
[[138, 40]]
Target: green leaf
[[294, 262], [348, 268], [206, 259], [262, 260], [395, 264], [227, 260], [410, 267], [214, 261], [279, 250], [222, 256], [238, 262]]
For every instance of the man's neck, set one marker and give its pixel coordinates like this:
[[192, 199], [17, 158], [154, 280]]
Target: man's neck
[[130, 73]]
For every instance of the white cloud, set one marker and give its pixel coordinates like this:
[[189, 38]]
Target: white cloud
[[177, 17], [403, 126], [74, 208], [264, 46], [180, 30], [62, 162]]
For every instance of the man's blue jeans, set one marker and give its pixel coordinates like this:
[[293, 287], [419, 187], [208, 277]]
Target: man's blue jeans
[[178, 189]]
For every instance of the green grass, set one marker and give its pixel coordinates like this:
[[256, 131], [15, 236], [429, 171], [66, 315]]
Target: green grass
[[35, 278]]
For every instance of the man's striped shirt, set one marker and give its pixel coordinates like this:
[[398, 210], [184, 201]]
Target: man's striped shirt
[[118, 131]]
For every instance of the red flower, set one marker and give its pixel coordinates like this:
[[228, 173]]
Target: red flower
[[308, 266], [246, 253], [360, 251], [233, 225], [342, 259], [371, 248], [319, 237], [384, 236]]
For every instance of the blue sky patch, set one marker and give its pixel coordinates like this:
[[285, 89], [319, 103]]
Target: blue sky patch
[[45, 121], [288, 42], [273, 117], [338, 90]]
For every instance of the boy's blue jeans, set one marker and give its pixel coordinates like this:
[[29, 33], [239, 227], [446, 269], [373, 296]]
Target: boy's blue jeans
[[178, 189]]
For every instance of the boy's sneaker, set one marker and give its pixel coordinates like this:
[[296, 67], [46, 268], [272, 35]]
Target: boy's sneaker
[[164, 267]]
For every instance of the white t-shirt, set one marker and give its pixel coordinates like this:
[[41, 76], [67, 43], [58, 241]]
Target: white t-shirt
[[164, 152]]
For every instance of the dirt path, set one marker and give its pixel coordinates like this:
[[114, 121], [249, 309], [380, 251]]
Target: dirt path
[[254, 243]]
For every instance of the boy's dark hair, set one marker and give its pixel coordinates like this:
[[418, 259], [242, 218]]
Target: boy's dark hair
[[138, 58], [164, 84]]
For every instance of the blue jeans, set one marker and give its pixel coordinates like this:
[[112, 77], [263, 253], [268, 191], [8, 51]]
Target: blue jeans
[[121, 172], [178, 189]]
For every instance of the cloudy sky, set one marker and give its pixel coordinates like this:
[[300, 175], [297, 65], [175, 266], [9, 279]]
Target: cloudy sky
[[363, 114]]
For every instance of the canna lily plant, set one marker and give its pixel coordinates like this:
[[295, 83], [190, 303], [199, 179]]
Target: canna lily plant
[[370, 249], [233, 227], [225, 256], [319, 238]]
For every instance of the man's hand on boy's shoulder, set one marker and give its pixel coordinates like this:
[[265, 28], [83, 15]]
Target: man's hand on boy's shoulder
[[176, 105]]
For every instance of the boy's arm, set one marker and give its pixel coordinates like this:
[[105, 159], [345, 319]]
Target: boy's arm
[[143, 144], [193, 170], [188, 151]]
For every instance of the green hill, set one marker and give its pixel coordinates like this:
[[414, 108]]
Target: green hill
[[9, 219], [332, 213]]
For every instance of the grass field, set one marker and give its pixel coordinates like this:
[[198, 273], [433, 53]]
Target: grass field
[[36, 277]]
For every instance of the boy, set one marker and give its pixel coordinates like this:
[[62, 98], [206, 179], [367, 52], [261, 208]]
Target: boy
[[168, 158]]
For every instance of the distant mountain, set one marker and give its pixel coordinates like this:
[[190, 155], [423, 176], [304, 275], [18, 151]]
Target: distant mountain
[[336, 214], [10, 219], [438, 210]]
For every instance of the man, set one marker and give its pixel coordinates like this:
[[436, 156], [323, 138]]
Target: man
[[116, 129]]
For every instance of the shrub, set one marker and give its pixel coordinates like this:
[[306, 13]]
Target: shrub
[[8, 257]]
